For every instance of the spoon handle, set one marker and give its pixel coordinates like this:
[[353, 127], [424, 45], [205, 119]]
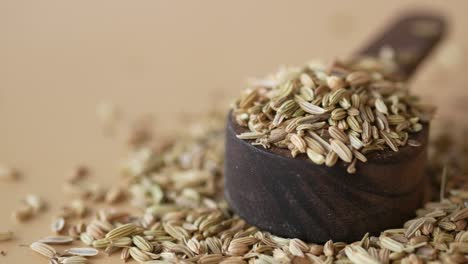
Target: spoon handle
[[411, 38]]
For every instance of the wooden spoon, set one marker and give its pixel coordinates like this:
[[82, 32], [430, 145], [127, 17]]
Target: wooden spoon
[[292, 197]]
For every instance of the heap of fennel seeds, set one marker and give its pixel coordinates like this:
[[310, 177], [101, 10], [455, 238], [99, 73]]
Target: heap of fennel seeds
[[337, 112], [178, 185]]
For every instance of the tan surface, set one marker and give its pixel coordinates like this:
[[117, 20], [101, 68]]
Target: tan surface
[[59, 59]]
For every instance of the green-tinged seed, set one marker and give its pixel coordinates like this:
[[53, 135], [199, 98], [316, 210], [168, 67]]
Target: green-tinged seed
[[74, 260], [341, 150], [315, 157], [338, 114], [142, 243], [138, 255], [121, 231], [86, 239], [43, 249]]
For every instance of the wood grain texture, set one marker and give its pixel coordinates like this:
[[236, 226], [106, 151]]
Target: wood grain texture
[[412, 37], [293, 197]]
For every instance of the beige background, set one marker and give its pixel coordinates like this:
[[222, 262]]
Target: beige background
[[59, 59]]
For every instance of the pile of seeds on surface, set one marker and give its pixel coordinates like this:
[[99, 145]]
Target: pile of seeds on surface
[[178, 186], [338, 112]]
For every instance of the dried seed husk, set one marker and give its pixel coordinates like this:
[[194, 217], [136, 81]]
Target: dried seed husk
[[355, 101], [211, 259], [355, 142], [311, 119], [389, 141], [250, 135], [343, 125], [351, 169], [56, 240], [447, 225], [95, 231], [354, 124], [277, 135], [329, 248], [459, 215], [345, 103], [384, 87], [194, 245], [138, 255], [307, 93], [358, 155], [103, 225], [86, 239], [314, 145], [298, 142], [358, 78], [415, 226], [35, 202], [142, 243], [54, 261], [295, 250], [288, 107], [310, 108], [248, 99], [413, 143], [125, 254], [101, 243], [341, 150], [315, 157], [338, 114], [391, 244], [337, 96], [182, 249], [122, 242], [43, 249], [395, 120], [331, 159], [75, 231], [58, 224], [381, 106], [84, 252], [175, 232], [74, 260], [121, 231], [299, 244], [320, 140], [335, 82], [366, 132], [357, 254], [306, 80], [314, 126], [353, 112], [338, 134]]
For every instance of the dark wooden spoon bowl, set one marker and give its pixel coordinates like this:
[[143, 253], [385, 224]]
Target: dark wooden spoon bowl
[[292, 197]]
